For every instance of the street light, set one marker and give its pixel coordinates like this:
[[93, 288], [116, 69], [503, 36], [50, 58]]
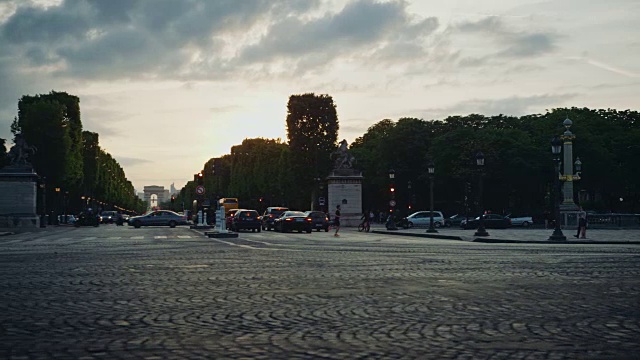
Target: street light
[[391, 225], [431, 169], [480, 163], [556, 149]]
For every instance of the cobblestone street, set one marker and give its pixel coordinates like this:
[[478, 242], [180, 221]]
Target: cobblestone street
[[118, 292]]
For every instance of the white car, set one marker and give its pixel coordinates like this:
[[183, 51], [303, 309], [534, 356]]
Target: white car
[[423, 218], [524, 221]]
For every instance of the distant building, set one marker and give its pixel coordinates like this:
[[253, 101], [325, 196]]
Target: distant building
[[173, 189], [159, 191]]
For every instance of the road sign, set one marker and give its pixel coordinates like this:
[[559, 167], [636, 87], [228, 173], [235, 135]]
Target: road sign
[[321, 201], [200, 190], [392, 203]]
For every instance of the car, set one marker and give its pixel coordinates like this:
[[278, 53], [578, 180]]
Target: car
[[524, 221], [423, 218], [158, 218], [246, 219], [293, 220], [229, 219], [108, 217], [454, 220], [491, 221], [270, 214], [319, 220]]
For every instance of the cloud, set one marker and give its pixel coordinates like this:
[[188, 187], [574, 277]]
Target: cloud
[[362, 27], [129, 161], [513, 105], [607, 67], [512, 43]]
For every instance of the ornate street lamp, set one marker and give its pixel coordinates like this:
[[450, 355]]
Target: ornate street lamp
[[431, 168], [391, 224], [556, 149], [480, 163]]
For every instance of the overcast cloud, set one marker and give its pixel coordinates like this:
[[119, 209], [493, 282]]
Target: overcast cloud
[[183, 81]]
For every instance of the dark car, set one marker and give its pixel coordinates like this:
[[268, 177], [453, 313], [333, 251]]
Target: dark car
[[454, 220], [293, 220], [158, 218], [491, 221], [108, 217], [270, 215], [229, 219], [246, 219], [319, 220]]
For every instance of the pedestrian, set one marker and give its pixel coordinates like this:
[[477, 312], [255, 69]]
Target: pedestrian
[[381, 217], [371, 217], [336, 220], [582, 227]]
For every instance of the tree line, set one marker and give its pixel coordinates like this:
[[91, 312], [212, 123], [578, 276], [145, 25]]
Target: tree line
[[75, 172], [518, 172]]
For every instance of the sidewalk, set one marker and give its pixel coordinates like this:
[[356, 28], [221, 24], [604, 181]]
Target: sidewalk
[[520, 235]]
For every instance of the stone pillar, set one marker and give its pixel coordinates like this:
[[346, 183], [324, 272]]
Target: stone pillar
[[18, 197], [345, 189], [567, 188]]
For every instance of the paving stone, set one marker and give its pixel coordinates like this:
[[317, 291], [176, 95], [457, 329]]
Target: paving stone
[[121, 293]]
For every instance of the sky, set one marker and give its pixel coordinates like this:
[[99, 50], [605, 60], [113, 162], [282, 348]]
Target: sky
[[169, 84]]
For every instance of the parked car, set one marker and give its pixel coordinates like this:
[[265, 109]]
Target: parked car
[[158, 218], [293, 220], [67, 219], [228, 221], [246, 219], [270, 215], [319, 220], [108, 217], [491, 221], [454, 220], [423, 218], [524, 221]]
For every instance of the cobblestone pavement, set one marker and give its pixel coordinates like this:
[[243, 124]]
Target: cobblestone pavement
[[153, 293]]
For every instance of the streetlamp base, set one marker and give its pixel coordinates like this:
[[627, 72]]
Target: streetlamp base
[[432, 230], [481, 232]]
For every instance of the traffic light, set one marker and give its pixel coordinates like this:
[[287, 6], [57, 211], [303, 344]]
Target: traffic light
[[392, 188], [173, 199], [200, 179]]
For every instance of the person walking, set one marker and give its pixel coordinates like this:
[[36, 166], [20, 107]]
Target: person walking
[[582, 227], [336, 220], [371, 217]]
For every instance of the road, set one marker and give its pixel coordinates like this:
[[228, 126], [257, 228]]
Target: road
[[118, 292]]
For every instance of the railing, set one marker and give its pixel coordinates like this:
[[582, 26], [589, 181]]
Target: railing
[[612, 221]]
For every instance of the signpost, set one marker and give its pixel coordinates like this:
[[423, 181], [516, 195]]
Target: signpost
[[200, 190], [392, 203], [321, 201]]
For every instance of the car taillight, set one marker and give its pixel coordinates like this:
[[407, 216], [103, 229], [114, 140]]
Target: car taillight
[[259, 217], [288, 219], [308, 219], [270, 215]]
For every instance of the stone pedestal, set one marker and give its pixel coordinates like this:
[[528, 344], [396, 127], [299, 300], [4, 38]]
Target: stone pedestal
[[345, 189], [18, 191], [569, 219]]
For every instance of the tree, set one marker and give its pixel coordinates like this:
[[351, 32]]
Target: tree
[[312, 131]]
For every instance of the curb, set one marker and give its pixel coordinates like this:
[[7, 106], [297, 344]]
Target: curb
[[507, 241], [568, 242], [6, 233], [431, 236], [220, 235]]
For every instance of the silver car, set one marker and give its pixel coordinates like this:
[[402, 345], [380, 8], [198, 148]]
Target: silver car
[[158, 218], [423, 218]]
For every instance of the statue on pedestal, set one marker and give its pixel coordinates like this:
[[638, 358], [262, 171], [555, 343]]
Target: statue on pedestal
[[20, 151], [344, 159]]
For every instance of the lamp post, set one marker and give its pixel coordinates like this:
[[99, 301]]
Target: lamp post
[[480, 163], [391, 224], [556, 149], [431, 169], [43, 200], [409, 196]]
